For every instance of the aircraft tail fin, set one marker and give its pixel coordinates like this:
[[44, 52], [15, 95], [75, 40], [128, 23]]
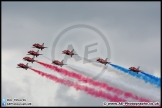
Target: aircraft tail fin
[[38, 53], [138, 67], [26, 64], [43, 44], [106, 59], [33, 57], [62, 65], [72, 50]]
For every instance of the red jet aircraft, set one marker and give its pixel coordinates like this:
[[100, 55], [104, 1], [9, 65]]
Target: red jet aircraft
[[67, 52], [36, 45], [56, 62], [31, 52], [29, 59], [134, 69], [103, 61], [21, 65]]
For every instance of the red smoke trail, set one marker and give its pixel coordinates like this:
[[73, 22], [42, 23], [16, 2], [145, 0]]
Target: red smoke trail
[[91, 81], [80, 87]]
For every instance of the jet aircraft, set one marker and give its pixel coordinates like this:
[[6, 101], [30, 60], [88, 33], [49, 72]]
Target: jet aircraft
[[21, 65], [56, 62], [68, 52], [29, 59], [103, 61], [36, 45], [31, 52], [134, 69]]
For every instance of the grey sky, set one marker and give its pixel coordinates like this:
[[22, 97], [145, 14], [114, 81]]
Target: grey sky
[[131, 28]]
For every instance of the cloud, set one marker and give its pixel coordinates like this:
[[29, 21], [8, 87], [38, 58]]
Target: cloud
[[131, 28]]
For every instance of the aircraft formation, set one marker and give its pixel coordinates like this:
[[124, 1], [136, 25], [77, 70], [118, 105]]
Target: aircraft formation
[[31, 52], [57, 62]]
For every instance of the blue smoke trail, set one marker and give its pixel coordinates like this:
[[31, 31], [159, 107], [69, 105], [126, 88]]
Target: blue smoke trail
[[154, 81], [151, 76]]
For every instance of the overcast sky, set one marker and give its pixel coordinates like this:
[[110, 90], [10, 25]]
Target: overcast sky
[[132, 30]]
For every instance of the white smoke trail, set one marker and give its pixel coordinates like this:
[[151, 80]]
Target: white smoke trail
[[152, 94], [129, 83]]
